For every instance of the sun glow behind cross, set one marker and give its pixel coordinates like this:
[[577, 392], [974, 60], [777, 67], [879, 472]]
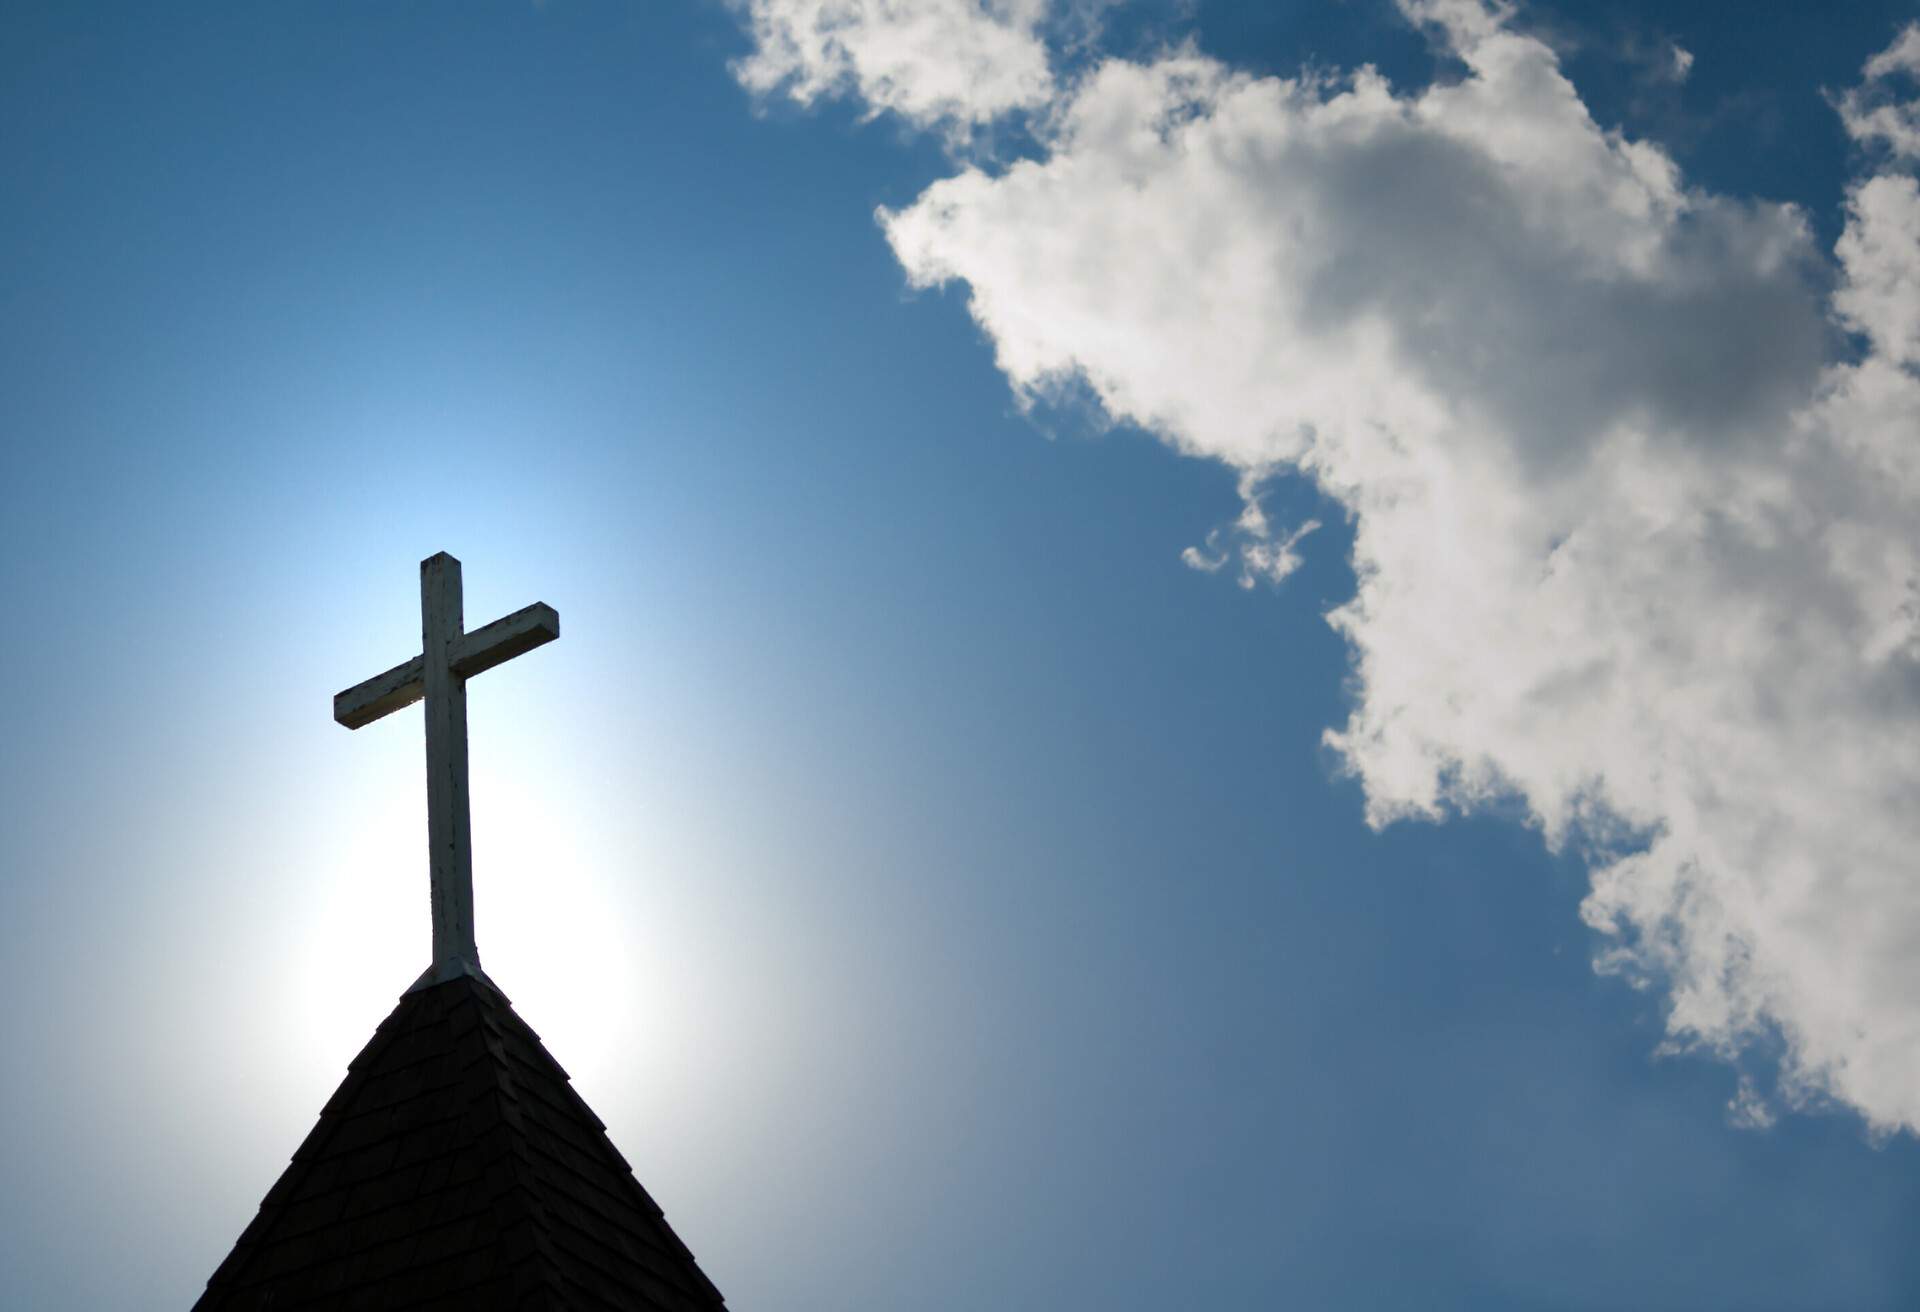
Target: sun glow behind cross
[[550, 924], [643, 916], [368, 927], [553, 930]]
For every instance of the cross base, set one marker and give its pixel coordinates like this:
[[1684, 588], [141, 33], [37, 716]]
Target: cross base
[[442, 971]]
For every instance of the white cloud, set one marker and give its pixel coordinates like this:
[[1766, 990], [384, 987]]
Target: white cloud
[[1630, 545], [1267, 554], [1273, 558], [1635, 542], [1880, 253], [1872, 111], [931, 61], [1749, 1109]]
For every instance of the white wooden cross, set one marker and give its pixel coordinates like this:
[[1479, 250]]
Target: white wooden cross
[[449, 656]]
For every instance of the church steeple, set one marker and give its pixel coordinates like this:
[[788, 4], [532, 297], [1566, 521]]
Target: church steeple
[[455, 1167]]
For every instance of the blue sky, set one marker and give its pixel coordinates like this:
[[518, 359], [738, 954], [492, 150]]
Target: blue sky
[[924, 854]]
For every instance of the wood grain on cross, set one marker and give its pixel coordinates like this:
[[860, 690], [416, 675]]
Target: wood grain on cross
[[449, 656]]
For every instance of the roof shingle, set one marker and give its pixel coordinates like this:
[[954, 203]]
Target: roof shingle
[[455, 1166]]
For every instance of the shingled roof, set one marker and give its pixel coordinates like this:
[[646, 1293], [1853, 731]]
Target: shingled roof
[[455, 1167]]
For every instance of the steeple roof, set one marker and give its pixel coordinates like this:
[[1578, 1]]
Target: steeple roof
[[455, 1167]]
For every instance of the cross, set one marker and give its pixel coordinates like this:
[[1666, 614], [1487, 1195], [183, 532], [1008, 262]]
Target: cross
[[449, 656]]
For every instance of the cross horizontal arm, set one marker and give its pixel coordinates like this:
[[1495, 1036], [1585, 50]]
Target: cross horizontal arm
[[527, 628], [470, 654], [403, 685]]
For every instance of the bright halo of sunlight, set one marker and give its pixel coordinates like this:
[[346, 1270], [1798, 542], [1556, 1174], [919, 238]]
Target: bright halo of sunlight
[[549, 923], [368, 934]]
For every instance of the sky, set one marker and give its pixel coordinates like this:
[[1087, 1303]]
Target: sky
[[1231, 654]]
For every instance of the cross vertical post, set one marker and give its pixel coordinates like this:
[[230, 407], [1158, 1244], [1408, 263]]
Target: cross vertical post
[[449, 812], [449, 656]]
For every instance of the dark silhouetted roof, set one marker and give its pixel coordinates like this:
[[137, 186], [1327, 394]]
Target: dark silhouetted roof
[[455, 1167]]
